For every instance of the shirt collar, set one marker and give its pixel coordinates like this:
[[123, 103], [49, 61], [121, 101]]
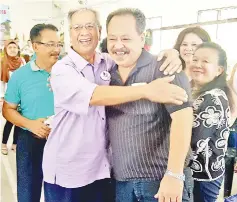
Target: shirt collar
[[144, 60], [34, 67], [80, 62]]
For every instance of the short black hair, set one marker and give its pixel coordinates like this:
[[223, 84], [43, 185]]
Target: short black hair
[[35, 31], [136, 13]]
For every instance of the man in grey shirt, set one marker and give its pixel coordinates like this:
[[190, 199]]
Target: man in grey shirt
[[149, 140]]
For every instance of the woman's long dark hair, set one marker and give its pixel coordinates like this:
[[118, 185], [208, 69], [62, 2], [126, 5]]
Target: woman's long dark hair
[[201, 33], [220, 81]]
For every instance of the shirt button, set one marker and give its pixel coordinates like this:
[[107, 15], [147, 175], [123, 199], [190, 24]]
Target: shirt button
[[103, 119]]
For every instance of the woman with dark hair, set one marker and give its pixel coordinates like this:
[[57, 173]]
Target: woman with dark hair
[[11, 61], [212, 105], [103, 46], [187, 42]]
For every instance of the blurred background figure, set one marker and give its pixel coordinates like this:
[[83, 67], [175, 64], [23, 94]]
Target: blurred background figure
[[103, 46], [27, 49], [148, 40], [11, 61]]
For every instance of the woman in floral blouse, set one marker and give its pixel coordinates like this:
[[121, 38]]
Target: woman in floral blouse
[[211, 120]]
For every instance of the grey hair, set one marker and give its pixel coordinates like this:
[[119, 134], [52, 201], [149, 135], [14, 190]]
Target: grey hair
[[136, 13], [72, 12]]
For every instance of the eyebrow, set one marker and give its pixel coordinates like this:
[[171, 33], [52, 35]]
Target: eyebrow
[[187, 42], [53, 42], [83, 23], [111, 35]]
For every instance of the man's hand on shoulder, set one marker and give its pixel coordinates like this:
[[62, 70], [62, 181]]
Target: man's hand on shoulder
[[162, 91], [172, 62]]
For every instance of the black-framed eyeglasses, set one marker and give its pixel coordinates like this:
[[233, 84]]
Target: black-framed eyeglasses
[[88, 26], [51, 45]]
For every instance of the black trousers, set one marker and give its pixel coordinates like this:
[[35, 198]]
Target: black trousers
[[6, 133], [29, 156], [229, 174]]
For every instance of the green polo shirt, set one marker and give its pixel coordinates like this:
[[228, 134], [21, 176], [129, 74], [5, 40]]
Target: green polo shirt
[[28, 87]]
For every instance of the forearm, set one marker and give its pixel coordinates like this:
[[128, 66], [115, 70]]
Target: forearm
[[114, 95], [16, 118], [180, 137]]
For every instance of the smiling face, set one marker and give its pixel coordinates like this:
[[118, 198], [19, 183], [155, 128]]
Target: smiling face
[[84, 32], [188, 46], [46, 47], [205, 66], [12, 50], [124, 42]]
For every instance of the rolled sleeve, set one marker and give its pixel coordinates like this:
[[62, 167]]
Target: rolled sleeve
[[72, 91], [181, 80], [12, 95]]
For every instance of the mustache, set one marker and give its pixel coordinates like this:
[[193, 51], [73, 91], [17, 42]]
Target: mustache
[[55, 54], [125, 50]]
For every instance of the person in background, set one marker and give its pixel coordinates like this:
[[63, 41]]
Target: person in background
[[103, 46], [28, 87], [211, 126], [16, 39], [186, 44], [11, 62], [231, 154], [148, 40], [27, 49], [230, 160], [27, 58]]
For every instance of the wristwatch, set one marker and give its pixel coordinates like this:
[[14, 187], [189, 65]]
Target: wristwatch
[[175, 175]]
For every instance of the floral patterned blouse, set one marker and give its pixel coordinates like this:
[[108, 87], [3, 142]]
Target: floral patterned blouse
[[210, 135]]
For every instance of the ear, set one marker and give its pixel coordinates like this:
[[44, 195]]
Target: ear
[[143, 39], [99, 32], [35, 46], [220, 70]]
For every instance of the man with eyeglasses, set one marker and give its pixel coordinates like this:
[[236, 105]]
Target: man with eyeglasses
[[28, 87]]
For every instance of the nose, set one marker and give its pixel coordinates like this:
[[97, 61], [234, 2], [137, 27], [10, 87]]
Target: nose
[[118, 44], [189, 48], [58, 49], [198, 64], [84, 31]]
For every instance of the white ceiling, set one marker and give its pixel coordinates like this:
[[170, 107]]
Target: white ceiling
[[26, 13]]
